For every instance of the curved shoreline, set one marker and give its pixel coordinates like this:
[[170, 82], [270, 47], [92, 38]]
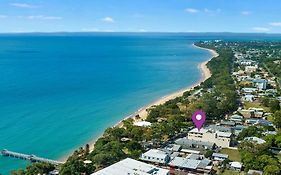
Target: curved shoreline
[[142, 112]]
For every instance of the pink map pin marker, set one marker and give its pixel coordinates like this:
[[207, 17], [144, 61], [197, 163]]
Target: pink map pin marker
[[199, 118]]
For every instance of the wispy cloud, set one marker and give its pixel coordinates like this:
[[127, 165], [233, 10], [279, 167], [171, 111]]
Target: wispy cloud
[[142, 30], [191, 10], [41, 17], [3, 16], [246, 13], [261, 29], [206, 10], [23, 5], [108, 19], [275, 24]]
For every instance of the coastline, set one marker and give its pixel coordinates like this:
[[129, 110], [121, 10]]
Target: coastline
[[142, 112]]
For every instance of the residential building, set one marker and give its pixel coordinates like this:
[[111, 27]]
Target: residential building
[[254, 172], [221, 139], [195, 144], [237, 166], [155, 156], [260, 83], [255, 139], [131, 166], [219, 157], [142, 124]]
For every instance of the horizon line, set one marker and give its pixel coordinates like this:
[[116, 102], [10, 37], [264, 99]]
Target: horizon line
[[147, 32]]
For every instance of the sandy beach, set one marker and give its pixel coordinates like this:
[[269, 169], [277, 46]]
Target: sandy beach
[[205, 75]]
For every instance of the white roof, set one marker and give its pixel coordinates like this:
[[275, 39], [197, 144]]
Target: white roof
[[236, 164], [155, 153], [142, 124], [131, 167], [224, 134], [255, 139], [195, 130]]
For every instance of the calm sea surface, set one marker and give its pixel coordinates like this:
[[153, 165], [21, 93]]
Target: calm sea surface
[[59, 92]]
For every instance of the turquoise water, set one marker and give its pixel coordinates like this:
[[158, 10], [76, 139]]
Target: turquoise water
[[59, 92]]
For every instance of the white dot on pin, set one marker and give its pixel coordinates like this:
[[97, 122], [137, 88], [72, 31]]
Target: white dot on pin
[[198, 117]]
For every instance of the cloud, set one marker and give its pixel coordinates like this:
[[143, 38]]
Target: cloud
[[191, 10], [3, 16], [261, 29], [23, 5], [206, 10], [41, 17], [108, 19], [275, 24], [142, 30], [246, 13]]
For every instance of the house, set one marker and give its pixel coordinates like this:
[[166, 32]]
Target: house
[[219, 157], [261, 122], [195, 144], [131, 166], [173, 147], [54, 172], [249, 90], [254, 139], [227, 123], [249, 97], [142, 124], [250, 69], [254, 172], [236, 118], [221, 139], [237, 166], [192, 165], [260, 83], [238, 129], [155, 156]]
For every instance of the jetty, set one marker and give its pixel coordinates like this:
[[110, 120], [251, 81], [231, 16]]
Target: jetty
[[31, 158]]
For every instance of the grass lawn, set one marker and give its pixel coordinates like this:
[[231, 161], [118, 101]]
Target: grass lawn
[[255, 105], [230, 172], [234, 155]]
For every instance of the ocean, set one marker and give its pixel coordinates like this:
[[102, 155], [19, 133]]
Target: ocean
[[59, 92]]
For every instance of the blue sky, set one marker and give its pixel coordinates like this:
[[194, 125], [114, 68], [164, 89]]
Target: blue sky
[[140, 16]]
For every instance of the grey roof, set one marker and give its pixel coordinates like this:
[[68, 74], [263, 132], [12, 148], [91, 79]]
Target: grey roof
[[194, 156], [191, 164], [204, 163], [251, 172], [231, 123], [220, 155], [190, 143], [219, 128]]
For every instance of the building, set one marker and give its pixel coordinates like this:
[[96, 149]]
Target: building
[[155, 156], [261, 84], [249, 97], [142, 124], [133, 167], [219, 157], [238, 129], [195, 144], [250, 69], [237, 166], [236, 118], [221, 139], [192, 165], [254, 172], [254, 139], [249, 90]]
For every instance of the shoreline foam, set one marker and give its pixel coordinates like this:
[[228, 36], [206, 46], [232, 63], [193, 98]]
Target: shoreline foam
[[142, 112]]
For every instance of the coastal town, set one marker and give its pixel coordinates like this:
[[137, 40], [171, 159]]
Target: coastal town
[[241, 135]]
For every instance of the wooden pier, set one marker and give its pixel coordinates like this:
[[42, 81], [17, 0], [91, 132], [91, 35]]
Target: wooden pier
[[31, 158]]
